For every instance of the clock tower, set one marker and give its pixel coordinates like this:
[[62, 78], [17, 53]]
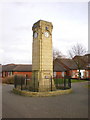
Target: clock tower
[[42, 56]]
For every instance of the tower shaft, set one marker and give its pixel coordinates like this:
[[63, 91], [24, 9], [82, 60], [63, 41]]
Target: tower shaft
[[42, 56]]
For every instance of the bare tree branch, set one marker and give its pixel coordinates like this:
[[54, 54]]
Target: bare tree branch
[[57, 54], [76, 53]]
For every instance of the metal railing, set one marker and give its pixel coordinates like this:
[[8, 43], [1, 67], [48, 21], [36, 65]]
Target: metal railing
[[24, 83]]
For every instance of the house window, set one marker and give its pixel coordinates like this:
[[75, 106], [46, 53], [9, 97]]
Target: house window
[[73, 73], [88, 65], [82, 73], [62, 74], [54, 74], [9, 73], [87, 73]]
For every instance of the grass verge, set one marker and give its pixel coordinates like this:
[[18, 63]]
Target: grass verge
[[61, 81], [75, 80]]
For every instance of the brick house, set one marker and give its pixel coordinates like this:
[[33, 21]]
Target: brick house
[[58, 69], [23, 70], [84, 65], [61, 67], [19, 69], [70, 66], [7, 70]]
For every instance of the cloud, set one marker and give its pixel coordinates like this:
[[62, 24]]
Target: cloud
[[21, 28], [70, 23]]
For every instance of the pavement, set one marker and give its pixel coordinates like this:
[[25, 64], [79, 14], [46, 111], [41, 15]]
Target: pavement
[[73, 105]]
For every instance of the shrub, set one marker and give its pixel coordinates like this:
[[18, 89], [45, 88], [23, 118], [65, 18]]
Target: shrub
[[11, 79], [8, 80]]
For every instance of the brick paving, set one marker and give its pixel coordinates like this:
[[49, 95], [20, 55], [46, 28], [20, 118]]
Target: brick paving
[[74, 105]]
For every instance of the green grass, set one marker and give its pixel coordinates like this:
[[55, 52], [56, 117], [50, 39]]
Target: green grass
[[75, 80], [61, 81]]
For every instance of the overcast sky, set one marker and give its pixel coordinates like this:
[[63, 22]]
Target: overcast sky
[[70, 26]]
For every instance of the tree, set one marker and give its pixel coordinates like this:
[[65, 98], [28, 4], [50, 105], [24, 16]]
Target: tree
[[57, 54], [76, 53]]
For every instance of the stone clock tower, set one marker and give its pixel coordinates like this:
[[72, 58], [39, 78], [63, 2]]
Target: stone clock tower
[[42, 56]]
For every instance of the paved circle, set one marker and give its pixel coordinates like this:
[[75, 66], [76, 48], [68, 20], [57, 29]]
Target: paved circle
[[74, 105]]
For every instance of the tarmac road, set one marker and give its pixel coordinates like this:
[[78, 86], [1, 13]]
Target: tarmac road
[[74, 105]]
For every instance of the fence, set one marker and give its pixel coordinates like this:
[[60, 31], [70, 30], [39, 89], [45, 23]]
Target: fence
[[62, 83], [24, 83]]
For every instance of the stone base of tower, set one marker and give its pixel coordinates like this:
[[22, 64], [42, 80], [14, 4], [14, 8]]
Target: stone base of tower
[[46, 85], [42, 81]]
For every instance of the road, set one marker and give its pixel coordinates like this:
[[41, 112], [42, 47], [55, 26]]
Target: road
[[73, 105]]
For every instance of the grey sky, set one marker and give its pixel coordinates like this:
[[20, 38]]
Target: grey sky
[[70, 26]]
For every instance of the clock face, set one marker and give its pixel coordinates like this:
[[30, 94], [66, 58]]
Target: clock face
[[46, 34], [35, 35]]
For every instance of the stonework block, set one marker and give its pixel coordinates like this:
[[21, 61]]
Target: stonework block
[[42, 57]]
